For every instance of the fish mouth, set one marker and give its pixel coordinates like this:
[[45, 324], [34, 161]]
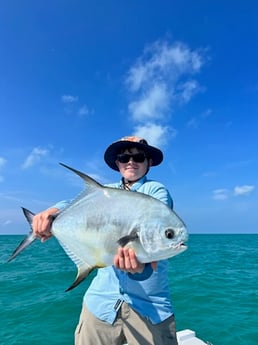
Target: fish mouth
[[180, 246], [173, 251]]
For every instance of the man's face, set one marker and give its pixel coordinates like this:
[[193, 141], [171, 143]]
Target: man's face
[[133, 171]]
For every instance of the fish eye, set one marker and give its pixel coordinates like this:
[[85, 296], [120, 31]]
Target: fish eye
[[170, 233]]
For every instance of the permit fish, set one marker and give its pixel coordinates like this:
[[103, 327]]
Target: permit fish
[[101, 218]]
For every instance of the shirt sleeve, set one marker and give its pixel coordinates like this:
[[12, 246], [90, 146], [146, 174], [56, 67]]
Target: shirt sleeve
[[146, 273], [158, 191], [161, 193], [62, 204]]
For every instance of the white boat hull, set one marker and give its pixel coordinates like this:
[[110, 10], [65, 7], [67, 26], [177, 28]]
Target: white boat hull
[[188, 337]]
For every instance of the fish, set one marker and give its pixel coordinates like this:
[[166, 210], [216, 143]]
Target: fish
[[102, 218]]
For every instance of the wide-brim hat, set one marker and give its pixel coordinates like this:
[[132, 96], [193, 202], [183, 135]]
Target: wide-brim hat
[[124, 143]]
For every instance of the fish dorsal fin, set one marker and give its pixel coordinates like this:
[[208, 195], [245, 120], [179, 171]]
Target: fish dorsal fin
[[90, 182]]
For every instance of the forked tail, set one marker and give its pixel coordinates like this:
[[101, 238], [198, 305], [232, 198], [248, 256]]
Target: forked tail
[[28, 239]]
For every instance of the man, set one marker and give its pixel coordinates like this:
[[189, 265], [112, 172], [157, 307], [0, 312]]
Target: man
[[129, 301]]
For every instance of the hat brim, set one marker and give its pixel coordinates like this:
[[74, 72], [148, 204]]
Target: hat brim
[[114, 149]]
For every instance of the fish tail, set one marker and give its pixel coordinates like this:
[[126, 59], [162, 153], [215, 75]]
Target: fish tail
[[31, 237]]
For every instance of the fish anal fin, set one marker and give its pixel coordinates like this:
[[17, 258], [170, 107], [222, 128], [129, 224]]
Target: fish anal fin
[[83, 272]]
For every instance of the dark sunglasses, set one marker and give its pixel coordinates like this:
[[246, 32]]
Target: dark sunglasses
[[136, 157]]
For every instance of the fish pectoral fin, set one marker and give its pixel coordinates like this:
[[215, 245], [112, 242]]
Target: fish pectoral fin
[[123, 241], [83, 272]]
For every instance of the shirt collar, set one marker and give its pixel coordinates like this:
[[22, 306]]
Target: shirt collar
[[136, 185]]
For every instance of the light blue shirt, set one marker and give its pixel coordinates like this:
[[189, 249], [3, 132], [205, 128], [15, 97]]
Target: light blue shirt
[[148, 292]]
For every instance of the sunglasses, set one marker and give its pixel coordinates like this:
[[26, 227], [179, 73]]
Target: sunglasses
[[136, 157]]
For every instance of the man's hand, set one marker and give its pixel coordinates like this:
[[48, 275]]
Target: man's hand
[[42, 223], [126, 260]]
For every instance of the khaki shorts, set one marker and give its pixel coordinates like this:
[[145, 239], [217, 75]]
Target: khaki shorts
[[129, 327]]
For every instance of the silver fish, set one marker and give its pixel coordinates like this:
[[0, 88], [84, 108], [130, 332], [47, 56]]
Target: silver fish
[[100, 219]]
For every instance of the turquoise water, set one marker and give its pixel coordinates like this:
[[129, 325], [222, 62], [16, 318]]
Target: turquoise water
[[213, 286]]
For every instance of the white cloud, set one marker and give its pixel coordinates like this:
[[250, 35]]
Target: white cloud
[[151, 105], [160, 80], [193, 123], [72, 106], [156, 135], [83, 111], [206, 113], [187, 90], [2, 162], [7, 222], [220, 194], [243, 190], [162, 61], [69, 99], [34, 157], [239, 164]]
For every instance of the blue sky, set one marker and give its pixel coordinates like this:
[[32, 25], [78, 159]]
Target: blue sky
[[78, 75]]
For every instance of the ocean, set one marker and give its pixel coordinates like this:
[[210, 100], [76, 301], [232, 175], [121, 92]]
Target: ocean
[[214, 288]]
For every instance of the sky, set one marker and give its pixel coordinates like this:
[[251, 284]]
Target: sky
[[76, 76]]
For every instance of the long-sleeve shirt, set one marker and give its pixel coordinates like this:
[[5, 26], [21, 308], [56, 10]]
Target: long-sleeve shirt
[[148, 292]]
